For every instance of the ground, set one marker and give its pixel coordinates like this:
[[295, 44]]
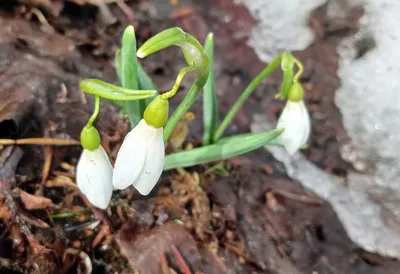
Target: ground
[[252, 220]]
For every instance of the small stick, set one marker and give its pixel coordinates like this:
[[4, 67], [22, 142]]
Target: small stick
[[39, 141], [164, 264], [182, 265], [48, 152]]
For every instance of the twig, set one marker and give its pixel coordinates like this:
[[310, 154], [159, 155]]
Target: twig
[[48, 152], [241, 254], [164, 264], [296, 197], [126, 10], [104, 231], [39, 141], [182, 265], [61, 182], [42, 19]]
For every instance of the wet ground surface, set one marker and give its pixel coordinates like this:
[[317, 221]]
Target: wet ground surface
[[254, 220]]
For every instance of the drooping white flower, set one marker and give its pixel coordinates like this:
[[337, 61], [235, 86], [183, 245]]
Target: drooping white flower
[[140, 159], [296, 122], [94, 176]]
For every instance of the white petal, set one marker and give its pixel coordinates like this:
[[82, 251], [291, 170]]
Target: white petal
[[296, 122], [131, 156], [94, 175], [306, 124], [153, 165]]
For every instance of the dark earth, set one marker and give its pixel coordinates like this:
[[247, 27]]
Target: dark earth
[[253, 219]]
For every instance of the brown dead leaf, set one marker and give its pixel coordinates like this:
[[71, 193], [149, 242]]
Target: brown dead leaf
[[33, 81], [4, 213], [143, 249], [181, 131], [33, 202], [31, 220]]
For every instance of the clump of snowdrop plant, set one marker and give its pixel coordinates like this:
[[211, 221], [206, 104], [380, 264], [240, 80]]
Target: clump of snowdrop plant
[[141, 158]]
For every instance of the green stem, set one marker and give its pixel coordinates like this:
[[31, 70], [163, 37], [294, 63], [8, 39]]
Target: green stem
[[299, 72], [190, 98], [247, 92], [178, 81], [95, 112]]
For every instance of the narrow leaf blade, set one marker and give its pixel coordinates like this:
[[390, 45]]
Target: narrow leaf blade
[[129, 74], [145, 82], [164, 39], [222, 150], [210, 103], [113, 92]]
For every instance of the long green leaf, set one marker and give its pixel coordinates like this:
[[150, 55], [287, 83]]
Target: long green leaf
[[210, 103], [129, 74], [113, 92], [222, 150], [118, 65], [164, 39], [145, 82]]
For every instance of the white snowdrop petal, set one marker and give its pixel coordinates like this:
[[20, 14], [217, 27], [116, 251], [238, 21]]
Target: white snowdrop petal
[[153, 165], [294, 119], [94, 175], [131, 156], [306, 124]]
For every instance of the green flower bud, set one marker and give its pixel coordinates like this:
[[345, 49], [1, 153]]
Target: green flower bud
[[90, 138], [296, 93], [156, 113]]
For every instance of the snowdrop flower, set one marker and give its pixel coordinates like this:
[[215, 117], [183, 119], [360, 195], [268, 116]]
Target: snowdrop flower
[[140, 159], [94, 170], [295, 120]]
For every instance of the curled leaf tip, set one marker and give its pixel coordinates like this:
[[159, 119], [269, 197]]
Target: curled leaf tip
[[164, 39], [190, 46]]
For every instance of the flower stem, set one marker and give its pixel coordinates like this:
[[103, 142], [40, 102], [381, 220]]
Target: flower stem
[[299, 72], [95, 112], [178, 81], [247, 92], [185, 105]]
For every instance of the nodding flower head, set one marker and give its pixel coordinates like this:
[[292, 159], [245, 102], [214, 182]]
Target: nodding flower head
[[140, 159], [94, 170], [295, 120]]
